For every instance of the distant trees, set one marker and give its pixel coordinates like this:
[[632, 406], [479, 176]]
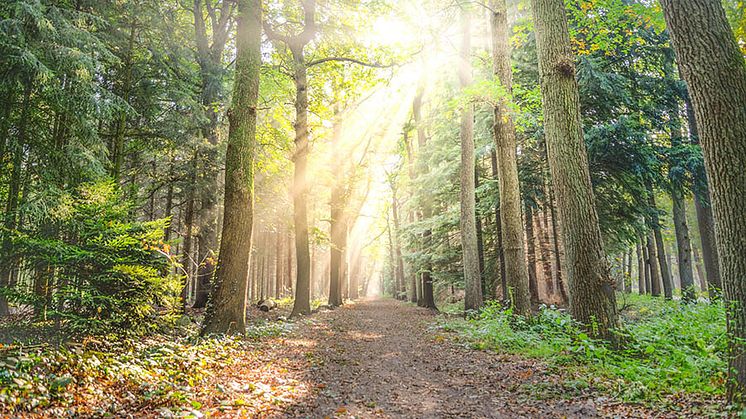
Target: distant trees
[[713, 67]]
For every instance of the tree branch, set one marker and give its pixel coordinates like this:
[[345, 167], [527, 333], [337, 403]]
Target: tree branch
[[350, 60]]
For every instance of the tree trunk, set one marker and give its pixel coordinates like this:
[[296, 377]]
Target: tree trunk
[[544, 251], [401, 281], [472, 276], [713, 67], [684, 245], [226, 312], [187, 257], [278, 264], [628, 276], [428, 298], [507, 168], [655, 225], [654, 286], [705, 221], [336, 252], [557, 250], [302, 304], [592, 299], [640, 269], [480, 242], [533, 285], [499, 249], [700, 269]]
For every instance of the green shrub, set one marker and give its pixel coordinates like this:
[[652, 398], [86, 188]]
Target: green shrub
[[94, 270], [668, 346]]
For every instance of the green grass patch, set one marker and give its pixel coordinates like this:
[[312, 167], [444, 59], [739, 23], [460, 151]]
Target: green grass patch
[[668, 346]]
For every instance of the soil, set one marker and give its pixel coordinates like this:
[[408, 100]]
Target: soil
[[383, 358]]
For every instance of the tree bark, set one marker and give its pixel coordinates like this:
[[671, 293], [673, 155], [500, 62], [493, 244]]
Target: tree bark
[[654, 286], [499, 249], [516, 273], [684, 246], [544, 251], [592, 299], [187, 260], [713, 67], [660, 252], [428, 297], [557, 250], [640, 269], [397, 248], [226, 312], [533, 285], [472, 276], [705, 221], [336, 252], [302, 304], [480, 241]]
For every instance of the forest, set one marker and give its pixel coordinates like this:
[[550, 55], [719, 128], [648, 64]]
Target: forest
[[373, 208]]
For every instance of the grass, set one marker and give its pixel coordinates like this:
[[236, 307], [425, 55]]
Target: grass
[[668, 347]]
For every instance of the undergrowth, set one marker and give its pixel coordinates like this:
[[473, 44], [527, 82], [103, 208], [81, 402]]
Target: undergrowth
[[167, 371], [668, 346]]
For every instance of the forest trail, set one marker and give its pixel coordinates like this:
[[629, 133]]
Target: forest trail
[[381, 358]]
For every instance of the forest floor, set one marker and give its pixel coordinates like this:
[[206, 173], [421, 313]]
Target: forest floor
[[376, 358], [384, 358]]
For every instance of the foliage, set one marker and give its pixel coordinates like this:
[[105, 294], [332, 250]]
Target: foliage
[[668, 346], [99, 272], [164, 371]]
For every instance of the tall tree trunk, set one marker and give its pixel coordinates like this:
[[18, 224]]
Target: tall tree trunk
[[701, 276], [678, 198], [278, 264], [468, 224], [428, 297], [480, 241], [187, 260], [414, 282], [655, 225], [507, 167], [499, 249], [705, 221], [544, 251], [713, 67], [628, 277], [169, 205], [392, 259], [226, 312], [210, 59], [533, 285], [302, 304], [684, 245], [557, 250], [397, 248], [640, 269], [592, 299], [336, 252], [654, 286]]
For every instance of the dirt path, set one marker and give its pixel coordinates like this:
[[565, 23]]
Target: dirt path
[[380, 358]]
